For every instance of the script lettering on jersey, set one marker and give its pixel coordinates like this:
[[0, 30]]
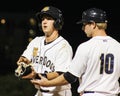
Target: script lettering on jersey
[[44, 61]]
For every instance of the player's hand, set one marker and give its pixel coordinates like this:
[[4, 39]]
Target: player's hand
[[23, 59], [41, 82], [37, 86], [31, 75]]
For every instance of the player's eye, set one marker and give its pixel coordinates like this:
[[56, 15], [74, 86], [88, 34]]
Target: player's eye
[[47, 17]]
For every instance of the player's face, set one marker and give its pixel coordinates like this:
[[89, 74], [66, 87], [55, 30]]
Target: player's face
[[48, 25], [87, 29]]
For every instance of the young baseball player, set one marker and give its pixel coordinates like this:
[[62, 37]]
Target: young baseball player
[[49, 53], [96, 61]]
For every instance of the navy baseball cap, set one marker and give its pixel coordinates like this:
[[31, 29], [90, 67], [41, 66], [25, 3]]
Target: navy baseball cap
[[93, 15]]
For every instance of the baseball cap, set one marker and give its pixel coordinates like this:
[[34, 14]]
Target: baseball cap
[[50, 10], [93, 15]]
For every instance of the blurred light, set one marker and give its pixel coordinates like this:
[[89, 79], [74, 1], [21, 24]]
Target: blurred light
[[30, 39], [32, 21], [32, 32], [3, 21]]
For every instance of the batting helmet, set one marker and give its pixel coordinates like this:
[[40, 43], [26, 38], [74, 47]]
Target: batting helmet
[[93, 15], [55, 13]]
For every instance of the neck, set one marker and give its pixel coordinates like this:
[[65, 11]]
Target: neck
[[52, 37], [100, 33]]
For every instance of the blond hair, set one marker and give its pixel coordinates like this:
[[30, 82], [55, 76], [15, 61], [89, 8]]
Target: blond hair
[[102, 25]]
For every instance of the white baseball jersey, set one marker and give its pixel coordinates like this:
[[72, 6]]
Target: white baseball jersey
[[55, 56], [98, 62]]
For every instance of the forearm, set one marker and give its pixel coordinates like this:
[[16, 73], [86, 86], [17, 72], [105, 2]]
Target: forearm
[[63, 79], [60, 80], [52, 75]]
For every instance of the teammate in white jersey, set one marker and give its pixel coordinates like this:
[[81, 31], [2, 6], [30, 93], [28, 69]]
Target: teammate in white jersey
[[49, 53], [96, 61]]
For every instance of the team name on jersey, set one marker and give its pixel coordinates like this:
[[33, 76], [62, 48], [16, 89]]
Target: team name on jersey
[[44, 62]]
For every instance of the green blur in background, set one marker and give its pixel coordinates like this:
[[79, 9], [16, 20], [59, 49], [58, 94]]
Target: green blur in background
[[12, 86]]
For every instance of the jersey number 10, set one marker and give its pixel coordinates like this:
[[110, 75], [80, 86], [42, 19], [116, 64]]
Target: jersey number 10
[[107, 63]]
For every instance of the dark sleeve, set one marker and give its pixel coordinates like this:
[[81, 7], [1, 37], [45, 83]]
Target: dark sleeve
[[74, 87], [70, 77], [74, 83]]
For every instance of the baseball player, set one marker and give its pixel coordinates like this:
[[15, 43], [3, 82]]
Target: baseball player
[[49, 53], [96, 61]]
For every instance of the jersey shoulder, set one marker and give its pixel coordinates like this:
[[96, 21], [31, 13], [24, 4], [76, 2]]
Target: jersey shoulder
[[64, 42], [38, 38]]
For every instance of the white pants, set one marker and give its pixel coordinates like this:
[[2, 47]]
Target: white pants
[[97, 94], [57, 93]]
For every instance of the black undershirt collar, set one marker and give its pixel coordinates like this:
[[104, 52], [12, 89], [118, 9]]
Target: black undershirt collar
[[45, 43]]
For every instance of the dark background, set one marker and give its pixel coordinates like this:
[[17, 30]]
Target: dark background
[[14, 33]]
